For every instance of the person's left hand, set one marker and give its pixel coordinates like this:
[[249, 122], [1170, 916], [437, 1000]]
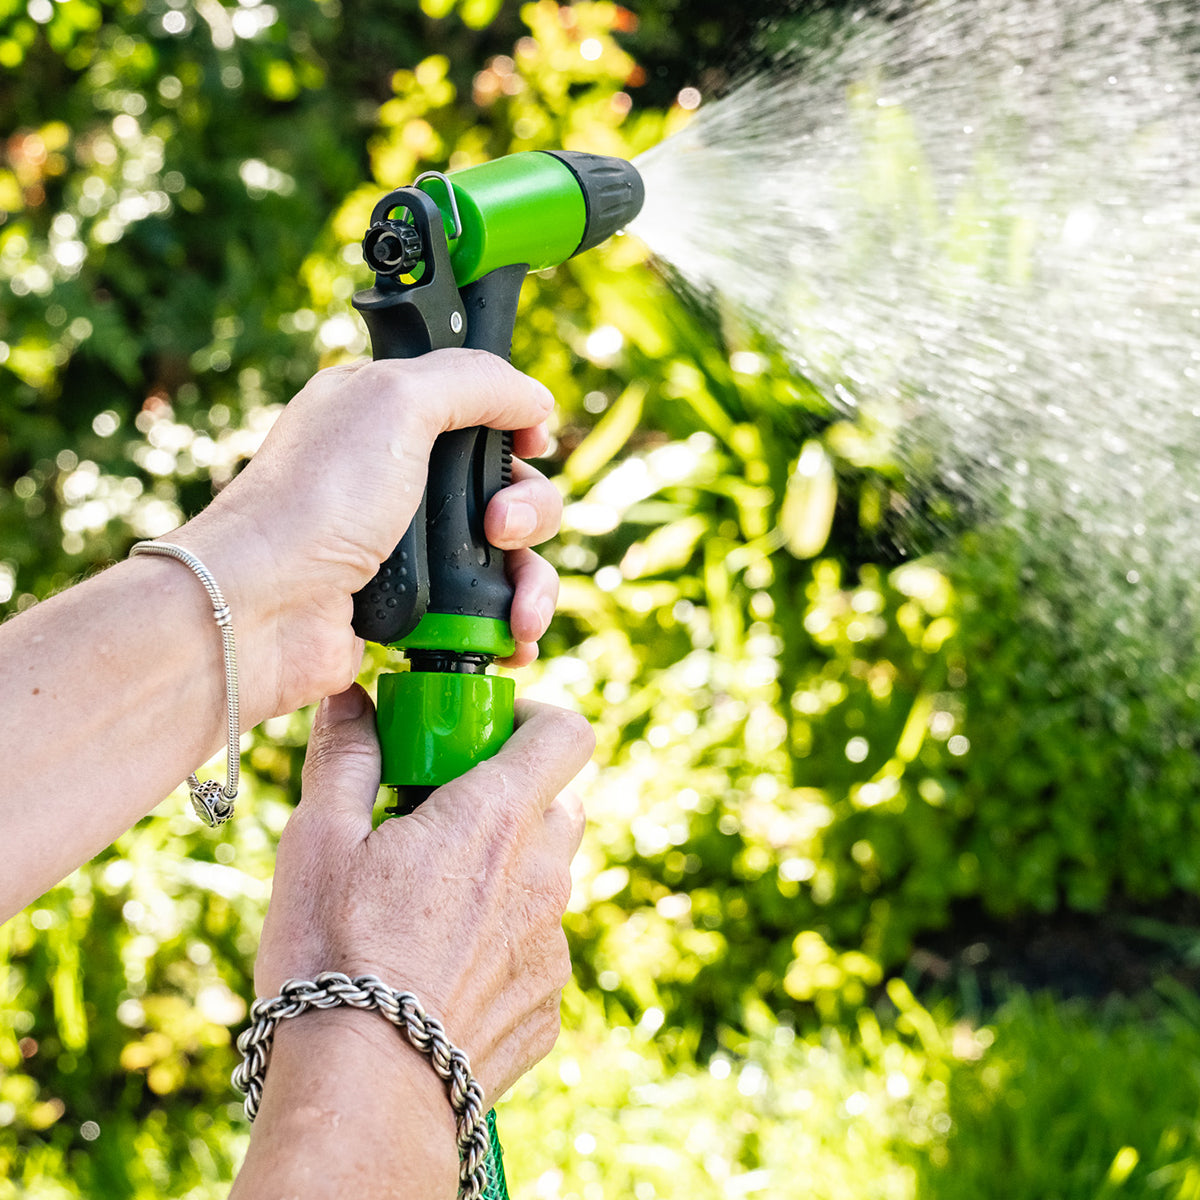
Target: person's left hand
[[461, 902]]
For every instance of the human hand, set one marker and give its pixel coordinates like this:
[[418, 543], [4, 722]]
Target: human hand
[[326, 499], [460, 902]]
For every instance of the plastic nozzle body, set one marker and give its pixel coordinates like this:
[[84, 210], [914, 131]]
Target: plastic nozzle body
[[537, 209]]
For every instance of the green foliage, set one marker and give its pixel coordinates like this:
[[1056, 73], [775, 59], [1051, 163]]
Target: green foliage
[[151, 172], [1082, 761], [1045, 1100], [117, 1000], [1070, 1105], [607, 1115]]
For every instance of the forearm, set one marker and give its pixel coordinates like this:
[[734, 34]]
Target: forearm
[[114, 691], [349, 1108]]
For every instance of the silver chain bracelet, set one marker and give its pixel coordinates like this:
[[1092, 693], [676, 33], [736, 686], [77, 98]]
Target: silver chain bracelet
[[213, 803], [402, 1009]]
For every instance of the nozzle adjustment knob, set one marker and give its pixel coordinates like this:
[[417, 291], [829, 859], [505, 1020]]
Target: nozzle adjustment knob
[[613, 192], [392, 247]]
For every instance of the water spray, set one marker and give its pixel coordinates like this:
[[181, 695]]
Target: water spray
[[450, 254], [977, 225]]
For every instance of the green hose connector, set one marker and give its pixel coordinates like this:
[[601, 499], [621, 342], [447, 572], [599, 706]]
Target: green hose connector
[[463, 634], [435, 726]]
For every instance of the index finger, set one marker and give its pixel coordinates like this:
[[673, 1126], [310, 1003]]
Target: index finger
[[474, 387]]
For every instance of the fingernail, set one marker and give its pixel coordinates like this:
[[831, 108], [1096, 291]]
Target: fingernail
[[545, 612], [345, 706], [520, 520]]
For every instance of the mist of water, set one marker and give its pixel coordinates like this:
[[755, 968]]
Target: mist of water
[[980, 220]]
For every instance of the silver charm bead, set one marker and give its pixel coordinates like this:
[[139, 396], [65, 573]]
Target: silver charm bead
[[211, 804]]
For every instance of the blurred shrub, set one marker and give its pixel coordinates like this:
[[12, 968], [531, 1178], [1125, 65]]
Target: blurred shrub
[[1045, 1100], [1083, 768], [117, 998], [834, 1116]]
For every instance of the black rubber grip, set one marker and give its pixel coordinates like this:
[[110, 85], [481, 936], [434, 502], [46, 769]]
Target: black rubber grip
[[444, 563]]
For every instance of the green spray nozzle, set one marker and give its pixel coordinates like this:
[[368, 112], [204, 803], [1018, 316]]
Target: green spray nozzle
[[450, 254], [535, 209]]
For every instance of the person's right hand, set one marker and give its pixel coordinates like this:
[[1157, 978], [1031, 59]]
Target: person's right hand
[[326, 499], [460, 902]]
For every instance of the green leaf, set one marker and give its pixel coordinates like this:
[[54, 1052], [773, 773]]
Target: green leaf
[[809, 502], [668, 548], [607, 440]]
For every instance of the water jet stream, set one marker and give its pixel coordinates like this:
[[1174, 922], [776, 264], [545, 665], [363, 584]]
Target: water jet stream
[[981, 221]]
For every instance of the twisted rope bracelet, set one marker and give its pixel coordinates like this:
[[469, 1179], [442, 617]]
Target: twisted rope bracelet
[[402, 1009]]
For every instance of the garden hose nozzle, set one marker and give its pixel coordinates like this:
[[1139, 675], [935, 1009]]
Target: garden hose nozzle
[[450, 254]]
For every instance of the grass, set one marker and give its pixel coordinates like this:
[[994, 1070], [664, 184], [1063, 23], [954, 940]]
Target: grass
[[1076, 1101], [1050, 1101]]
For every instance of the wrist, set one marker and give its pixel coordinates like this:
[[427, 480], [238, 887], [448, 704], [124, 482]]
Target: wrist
[[294, 646], [221, 554], [346, 1089], [359, 1048]]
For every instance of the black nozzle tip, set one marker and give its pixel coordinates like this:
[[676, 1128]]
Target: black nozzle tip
[[612, 190]]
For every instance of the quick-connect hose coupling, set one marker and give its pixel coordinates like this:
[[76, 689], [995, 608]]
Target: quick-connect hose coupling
[[445, 713], [434, 726]]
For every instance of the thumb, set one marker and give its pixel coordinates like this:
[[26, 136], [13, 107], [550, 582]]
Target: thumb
[[342, 766]]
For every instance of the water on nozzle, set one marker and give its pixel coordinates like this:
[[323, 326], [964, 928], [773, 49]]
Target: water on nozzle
[[982, 219]]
